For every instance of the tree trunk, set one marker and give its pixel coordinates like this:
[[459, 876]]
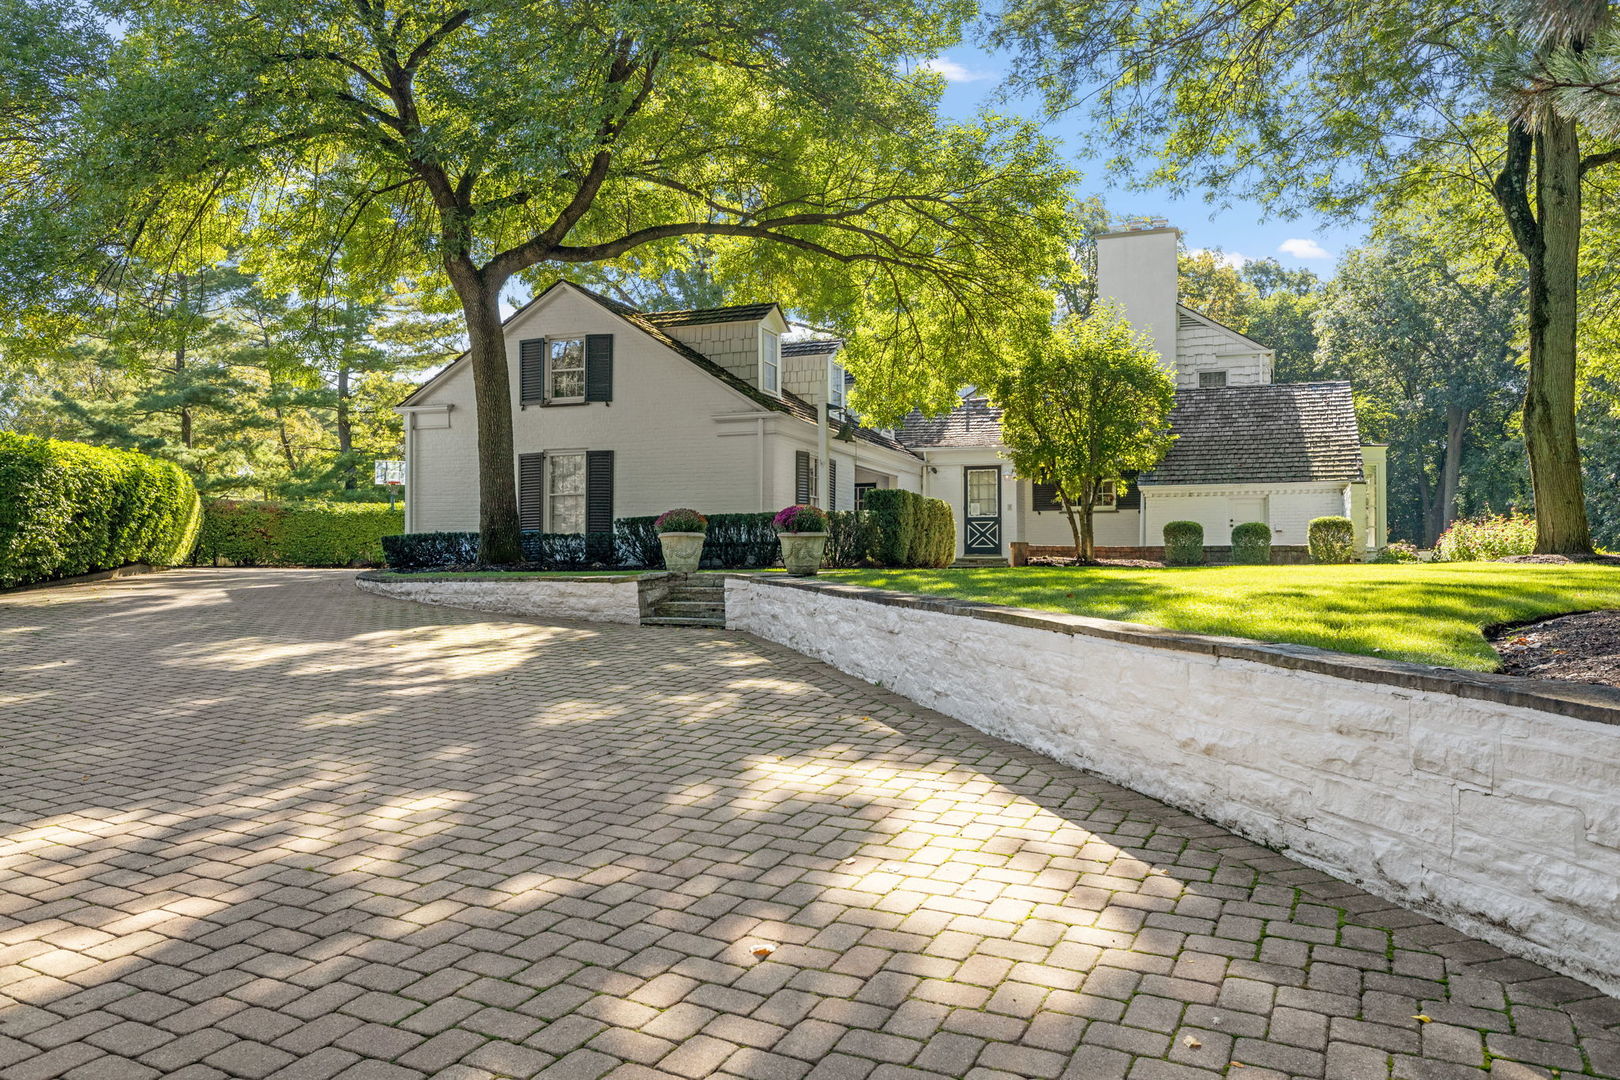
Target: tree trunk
[[1088, 534], [1427, 508], [498, 537], [1070, 513], [1549, 237], [345, 428], [1549, 401], [1451, 467]]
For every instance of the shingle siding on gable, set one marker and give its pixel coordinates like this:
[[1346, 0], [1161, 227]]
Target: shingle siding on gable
[[1201, 347], [732, 345]]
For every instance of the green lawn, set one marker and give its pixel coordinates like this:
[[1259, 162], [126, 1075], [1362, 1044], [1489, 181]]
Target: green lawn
[[1430, 613]]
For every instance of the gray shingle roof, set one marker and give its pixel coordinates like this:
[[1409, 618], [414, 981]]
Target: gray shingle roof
[[697, 316], [1282, 433], [975, 422], [812, 348]]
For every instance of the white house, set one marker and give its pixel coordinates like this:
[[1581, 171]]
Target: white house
[[622, 413]]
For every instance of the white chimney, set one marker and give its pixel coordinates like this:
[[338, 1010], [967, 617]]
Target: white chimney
[[1136, 269]]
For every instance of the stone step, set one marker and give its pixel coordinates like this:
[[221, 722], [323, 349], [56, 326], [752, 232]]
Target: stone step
[[697, 608], [660, 620], [977, 562]]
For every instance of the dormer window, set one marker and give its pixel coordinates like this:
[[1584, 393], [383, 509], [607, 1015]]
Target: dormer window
[[835, 383], [770, 361], [1211, 380]]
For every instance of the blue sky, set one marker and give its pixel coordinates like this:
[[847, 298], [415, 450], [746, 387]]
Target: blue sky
[[972, 76]]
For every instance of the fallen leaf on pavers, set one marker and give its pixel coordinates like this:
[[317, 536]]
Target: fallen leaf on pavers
[[762, 951], [1423, 1019], [1239, 1065], [1191, 1043]]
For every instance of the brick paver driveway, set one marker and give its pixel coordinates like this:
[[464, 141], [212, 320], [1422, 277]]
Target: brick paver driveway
[[256, 823]]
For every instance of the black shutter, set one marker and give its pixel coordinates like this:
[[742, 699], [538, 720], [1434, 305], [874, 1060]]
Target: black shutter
[[598, 367], [1044, 497], [599, 491], [531, 490], [801, 477], [832, 484], [532, 371]]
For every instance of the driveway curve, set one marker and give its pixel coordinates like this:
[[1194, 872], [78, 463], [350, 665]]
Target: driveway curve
[[255, 823]]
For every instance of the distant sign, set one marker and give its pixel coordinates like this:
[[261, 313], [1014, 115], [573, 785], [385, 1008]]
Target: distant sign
[[388, 472]]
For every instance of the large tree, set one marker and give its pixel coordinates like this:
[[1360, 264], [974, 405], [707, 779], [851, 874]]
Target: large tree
[[1332, 104], [485, 140], [1082, 406]]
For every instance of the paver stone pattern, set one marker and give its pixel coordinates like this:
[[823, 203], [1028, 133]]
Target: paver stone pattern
[[259, 824]]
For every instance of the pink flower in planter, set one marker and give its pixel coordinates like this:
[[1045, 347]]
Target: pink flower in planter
[[800, 519]]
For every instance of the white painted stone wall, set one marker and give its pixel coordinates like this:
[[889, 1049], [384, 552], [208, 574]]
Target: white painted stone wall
[[1499, 819], [615, 601]]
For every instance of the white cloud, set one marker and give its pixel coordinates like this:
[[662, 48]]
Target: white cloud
[[951, 71], [1304, 248], [1235, 259]]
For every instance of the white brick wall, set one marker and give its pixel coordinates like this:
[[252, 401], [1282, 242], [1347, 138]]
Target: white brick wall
[[1499, 819]]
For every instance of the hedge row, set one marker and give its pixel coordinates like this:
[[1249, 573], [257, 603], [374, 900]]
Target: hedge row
[[272, 534], [910, 529], [67, 508]]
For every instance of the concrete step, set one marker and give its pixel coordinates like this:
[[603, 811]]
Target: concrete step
[[977, 562], [660, 620]]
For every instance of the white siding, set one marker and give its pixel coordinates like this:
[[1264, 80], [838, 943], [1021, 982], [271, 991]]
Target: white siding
[[680, 436], [1202, 347], [1111, 528], [732, 345], [1289, 508]]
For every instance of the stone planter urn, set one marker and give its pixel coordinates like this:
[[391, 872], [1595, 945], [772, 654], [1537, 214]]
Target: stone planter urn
[[802, 551], [682, 551]]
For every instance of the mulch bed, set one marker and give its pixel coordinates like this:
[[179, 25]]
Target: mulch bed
[[1056, 560], [1602, 560], [1577, 648]]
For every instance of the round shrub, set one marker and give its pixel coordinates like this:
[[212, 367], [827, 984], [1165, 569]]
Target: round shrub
[[800, 519], [1251, 544], [1398, 552], [1332, 539], [67, 508], [1183, 543], [681, 520]]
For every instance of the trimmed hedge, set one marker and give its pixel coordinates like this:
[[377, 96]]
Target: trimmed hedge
[[942, 533], [1183, 543], [1332, 539], [849, 539], [908, 529], [273, 534], [68, 508], [1251, 544]]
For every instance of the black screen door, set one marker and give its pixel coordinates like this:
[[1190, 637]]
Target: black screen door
[[982, 511]]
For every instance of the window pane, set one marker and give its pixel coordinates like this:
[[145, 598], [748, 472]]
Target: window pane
[[1210, 379], [567, 514], [565, 368], [769, 358], [981, 493], [568, 474]]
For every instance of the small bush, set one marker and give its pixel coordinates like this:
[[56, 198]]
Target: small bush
[[849, 539], [1332, 540], [800, 518], [1183, 543], [316, 534], [1251, 544], [942, 532], [740, 542], [682, 520], [919, 552], [1398, 552], [1486, 538], [430, 550], [893, 521], [635, 541], [67, 508]]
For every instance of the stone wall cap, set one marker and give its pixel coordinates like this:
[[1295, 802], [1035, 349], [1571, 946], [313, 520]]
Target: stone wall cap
[[1582, 701]]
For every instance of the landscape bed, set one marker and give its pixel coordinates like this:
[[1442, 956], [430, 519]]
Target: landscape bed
[[1420, 612]]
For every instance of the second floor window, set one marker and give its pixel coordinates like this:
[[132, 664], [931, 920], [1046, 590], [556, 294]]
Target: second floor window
[[770, 361], [835, 383], [1209, 380], [565, 369]]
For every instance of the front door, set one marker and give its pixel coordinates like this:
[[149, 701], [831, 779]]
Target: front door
[[983, 511]]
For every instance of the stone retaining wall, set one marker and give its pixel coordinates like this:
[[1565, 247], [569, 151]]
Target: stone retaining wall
[[600, 599], [1488, 801]]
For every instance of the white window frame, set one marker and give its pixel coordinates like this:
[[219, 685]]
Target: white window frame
[[770, 361], [553, 495], [552, 369], [1212, 386], [835, 383], [1107, 497]]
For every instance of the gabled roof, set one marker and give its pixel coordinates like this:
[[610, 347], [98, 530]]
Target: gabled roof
[[1278, 433], [699, 316], [640, 321], [975, 422]]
